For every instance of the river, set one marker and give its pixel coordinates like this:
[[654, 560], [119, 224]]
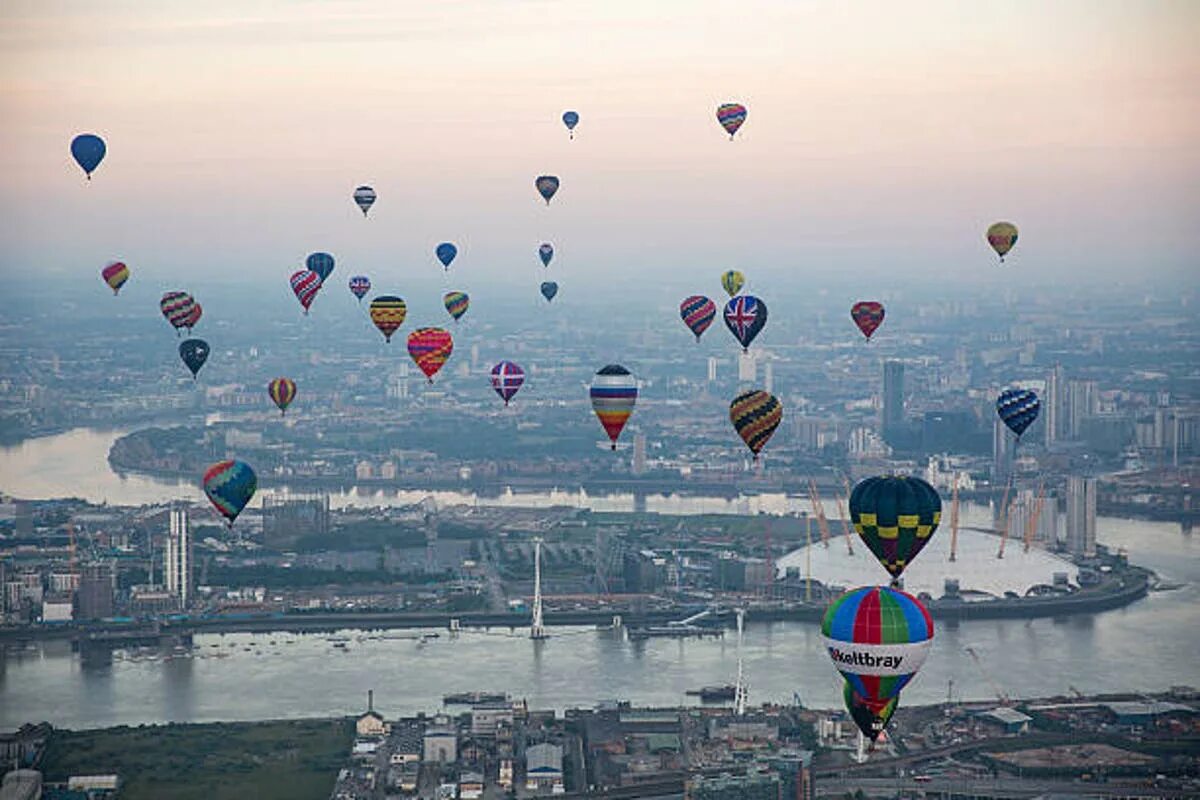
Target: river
[[1150, 645]]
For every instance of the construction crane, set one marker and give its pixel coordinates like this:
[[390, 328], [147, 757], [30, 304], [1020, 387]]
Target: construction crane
[[1001, 695], [1004, 503], [843, 506], [819, 510], [1031, 525], [954, 520]]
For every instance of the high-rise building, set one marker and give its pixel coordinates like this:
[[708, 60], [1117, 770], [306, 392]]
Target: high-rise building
[[1081, 516], [712, 369], [1082, 402], [747, 368], [95, 598], [769, 377], [177, 557], [1052, 402], [893, 396], [639, 454], [1002, 451]]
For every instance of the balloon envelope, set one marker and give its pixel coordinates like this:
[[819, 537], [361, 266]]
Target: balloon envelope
[[549, 290], [871, 723], [320, 263], [445, 253], [614, 392], [1018, 408], [745, 317], [456, 303], [733, 281], [731, 116], [570, 119], [429, 348], [305, 285], [546, 185], [88, 150], [194, 353], [1002, 236], [388, 313], [364, 198], [359, 286], [755, 416], [230, 485], [697, 312], [282, 392], [115, 273], [177, 308], [895, 515], [878, 638], [507, 378], [545, 253], [868, 316]]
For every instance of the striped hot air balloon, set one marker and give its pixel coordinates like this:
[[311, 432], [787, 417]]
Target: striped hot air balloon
[[755, 416], [507, 378], [1018, 408], [456, 303], [305, 285], [878, 639], [868, 316], [115, 273], [193, 316], [388, 313], [697, 312], [177, 308], [429, 348], [731, 116], [614, 392], [364, 198], [282, 392], [230, 485], [895, 515]]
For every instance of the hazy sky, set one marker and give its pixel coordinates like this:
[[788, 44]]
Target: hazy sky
[[882, 137]]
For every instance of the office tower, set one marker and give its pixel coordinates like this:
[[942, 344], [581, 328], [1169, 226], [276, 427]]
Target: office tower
[[1054, 406], [1081, 516], [893, 396], [639, 454], [769, 377], [177, 557], [712, 369], [1002, 451], [1082, 402], [747, 368], [96, 592]]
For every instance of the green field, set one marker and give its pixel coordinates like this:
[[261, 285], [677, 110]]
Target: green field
[[283, 760]]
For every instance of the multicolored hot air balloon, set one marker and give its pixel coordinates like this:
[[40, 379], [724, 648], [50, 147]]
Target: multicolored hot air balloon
[[282, 392], [697, 312], [507, 378], [733, 281], [731, 116], [193, 352], [388, 314], [456, 303], [305, 285], [868, 316], [745, 316], [545, 253], [755, 416], [429, 348], [445, 252], [871, 723], [614, 392], [1018, 408], [115, 273], [1002, 236], [878, 639], [549, 290], [88, 150], [230, 485], [364, 198], [895, 515], [570, 119], [320, 263], [546, 185], [359, 286], [193, 317], [177, 308]]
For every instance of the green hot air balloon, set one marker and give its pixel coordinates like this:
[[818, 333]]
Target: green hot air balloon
[[895, 516]]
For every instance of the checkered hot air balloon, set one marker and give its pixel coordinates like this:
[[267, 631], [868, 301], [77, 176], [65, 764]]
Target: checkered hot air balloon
[[895, 515]]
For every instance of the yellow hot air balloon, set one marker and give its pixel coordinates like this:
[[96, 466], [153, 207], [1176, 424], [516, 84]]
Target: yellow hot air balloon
[[1002, 236], [733, 281]]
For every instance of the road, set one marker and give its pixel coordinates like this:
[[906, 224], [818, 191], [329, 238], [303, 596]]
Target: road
[[1002, 788]]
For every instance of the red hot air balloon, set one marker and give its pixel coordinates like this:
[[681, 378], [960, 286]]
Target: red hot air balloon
[[115, 273], [429, 348], [868, 316]]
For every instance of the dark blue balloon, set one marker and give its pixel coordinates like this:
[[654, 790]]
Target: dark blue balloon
[[446, 253], [549, 289], [745, 316], [88, 151], [320, 263], [194, 353], [1018, 408], [570, 119]]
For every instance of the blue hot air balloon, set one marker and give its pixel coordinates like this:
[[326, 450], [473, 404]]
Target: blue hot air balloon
[[320, 263], [193, 352], [571, 119], [745, 316], [549, 289], [546, 185], [88, 151], [1018, 408], [445, 253], [545, 253]]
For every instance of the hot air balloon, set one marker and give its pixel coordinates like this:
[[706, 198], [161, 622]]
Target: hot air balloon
[[507, 378], [868, 316], [193, 317], [88, 150], [733, 281], [546, 185], [283, 392], [871, 723], [549, 290], [305, 284], [388, 314], [429, 348], [194, 353], [445, 253], [359, 286], [320, 263], [457, 304], [230, 485], [1002, 236], [745, 316], [731, 116], [895, 515], [364, 198], [697, 312], [115, 273], [177, 308], [1018, 408], [614, 392], [570, 119], [545, 253], [755, 416], [878, 638]]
